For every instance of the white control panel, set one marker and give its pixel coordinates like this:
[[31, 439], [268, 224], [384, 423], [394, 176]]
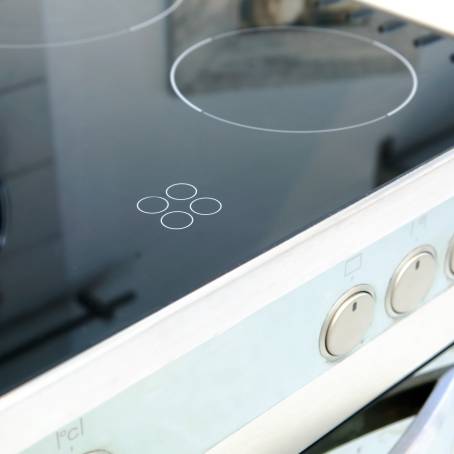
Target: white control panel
[[202, 398]]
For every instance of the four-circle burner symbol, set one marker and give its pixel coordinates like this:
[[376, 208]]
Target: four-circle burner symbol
[[178, 219]]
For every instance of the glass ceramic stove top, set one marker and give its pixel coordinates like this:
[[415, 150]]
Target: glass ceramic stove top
[[148, 147]]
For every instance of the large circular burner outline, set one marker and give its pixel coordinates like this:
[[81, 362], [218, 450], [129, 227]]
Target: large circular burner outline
[[169, 10], [384, 47]]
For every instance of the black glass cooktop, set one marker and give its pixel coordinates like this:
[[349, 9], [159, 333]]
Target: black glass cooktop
[[148, 147]]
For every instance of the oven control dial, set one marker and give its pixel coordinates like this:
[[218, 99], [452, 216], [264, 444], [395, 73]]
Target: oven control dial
[[450, 260], [348, 322], [412, 281]]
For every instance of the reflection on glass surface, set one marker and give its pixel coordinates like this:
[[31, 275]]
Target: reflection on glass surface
[[3, 215], [283, 12], [35, 23], [87, 131]]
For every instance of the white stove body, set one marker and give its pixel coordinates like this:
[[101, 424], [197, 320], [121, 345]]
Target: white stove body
[[236, 365], [438, 16]]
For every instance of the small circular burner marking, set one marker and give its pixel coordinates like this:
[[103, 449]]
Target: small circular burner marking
[[156, 205], [177, 220], [181, 191], [201, 206]]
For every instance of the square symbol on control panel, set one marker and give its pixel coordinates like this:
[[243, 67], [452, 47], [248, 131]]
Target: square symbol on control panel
[[353, 265]]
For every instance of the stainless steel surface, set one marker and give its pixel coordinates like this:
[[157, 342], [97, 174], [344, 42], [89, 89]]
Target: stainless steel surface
[[411, 281], [432, 430], [347, 322]]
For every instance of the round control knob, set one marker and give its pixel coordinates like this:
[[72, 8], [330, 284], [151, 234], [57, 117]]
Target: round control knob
[[450, 260], [411, 282], [347, 323]]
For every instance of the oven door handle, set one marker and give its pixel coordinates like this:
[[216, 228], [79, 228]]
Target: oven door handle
[[433, 429]]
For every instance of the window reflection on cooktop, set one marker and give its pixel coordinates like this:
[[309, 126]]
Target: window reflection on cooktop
[[130, 170], [41, 23]]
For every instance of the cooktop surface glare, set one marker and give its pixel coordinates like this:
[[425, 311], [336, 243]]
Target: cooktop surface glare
[[149, 147]]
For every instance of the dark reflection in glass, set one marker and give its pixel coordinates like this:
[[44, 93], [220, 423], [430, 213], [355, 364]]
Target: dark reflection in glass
[[394, 161], [3, 215]]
